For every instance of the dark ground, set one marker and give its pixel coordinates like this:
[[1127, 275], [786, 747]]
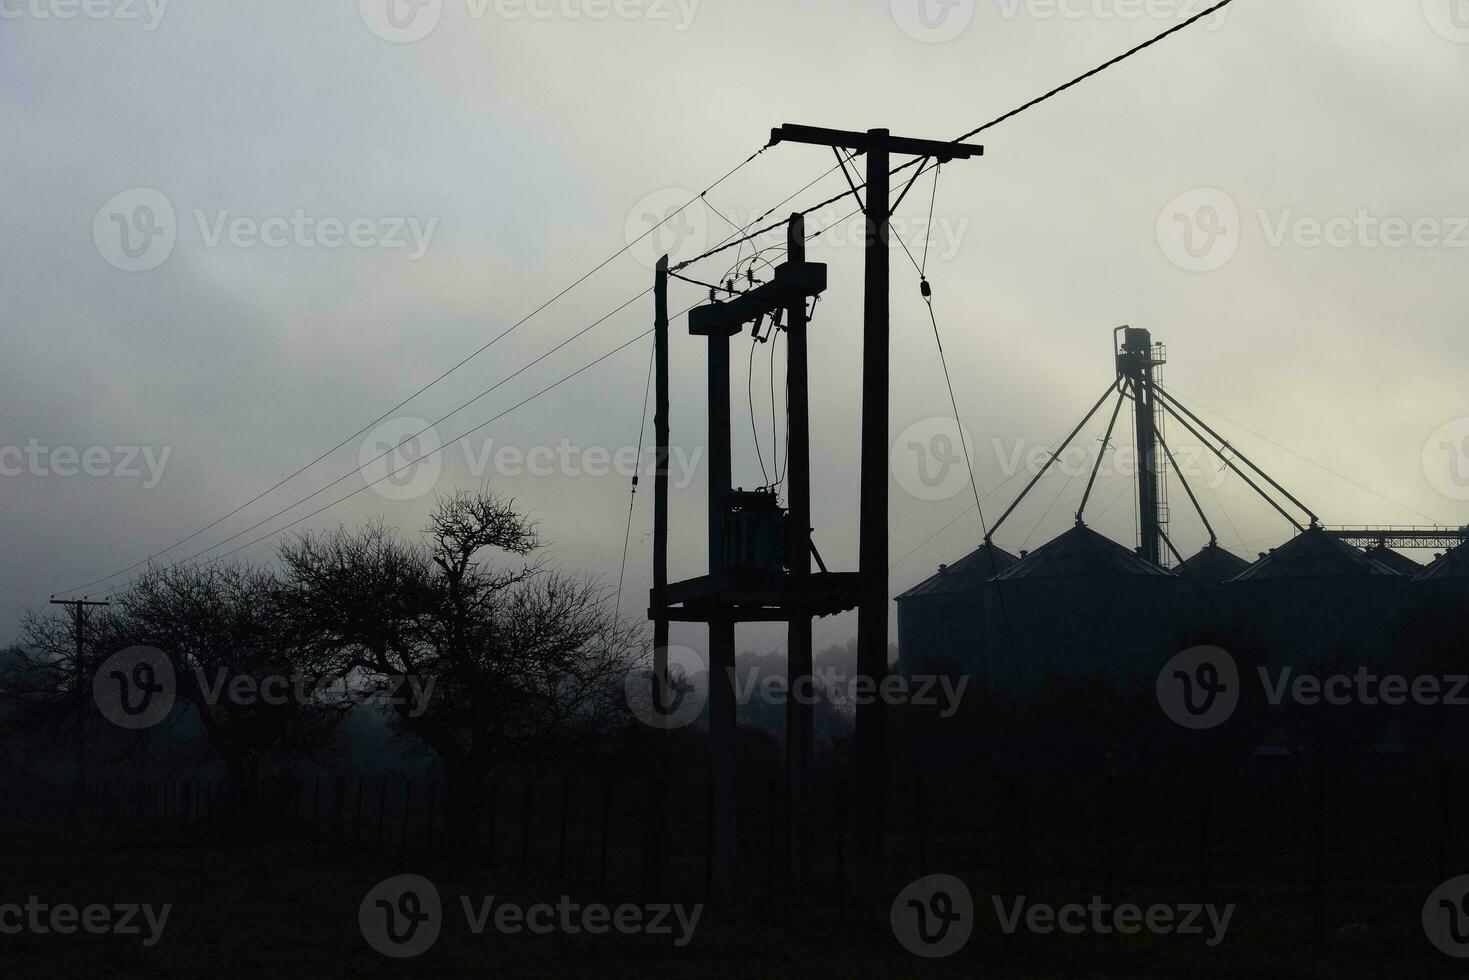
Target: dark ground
[[286, 905]]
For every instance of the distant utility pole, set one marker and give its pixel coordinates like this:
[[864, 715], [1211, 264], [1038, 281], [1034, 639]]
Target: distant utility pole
[[872, 603], [79, 613]]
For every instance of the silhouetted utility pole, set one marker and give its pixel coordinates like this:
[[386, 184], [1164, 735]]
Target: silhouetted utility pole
[[654, 847], [800, 713], [79, 613], [872, 601]]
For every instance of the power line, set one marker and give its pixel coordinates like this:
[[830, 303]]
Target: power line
[[345, 476], [492, 342], [924, 163], [633, 498], [494, 418]]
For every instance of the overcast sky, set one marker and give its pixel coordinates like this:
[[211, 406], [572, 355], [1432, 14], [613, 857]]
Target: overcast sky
[[239, 232]]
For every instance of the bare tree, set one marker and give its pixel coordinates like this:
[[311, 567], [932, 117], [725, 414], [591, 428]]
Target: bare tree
[[484, 663], [259, 700]]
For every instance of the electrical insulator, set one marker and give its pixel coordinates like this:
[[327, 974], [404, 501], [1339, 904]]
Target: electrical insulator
[[925, 289]]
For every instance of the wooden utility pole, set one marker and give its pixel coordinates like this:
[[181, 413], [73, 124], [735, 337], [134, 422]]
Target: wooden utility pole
[[79, 613], [722, 721], [800, 714], [872, 603], [655, 830]]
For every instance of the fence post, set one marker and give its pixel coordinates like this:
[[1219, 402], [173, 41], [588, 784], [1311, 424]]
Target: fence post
[[841, 841], [525, 822], [493, 805], [920, 803], [1445, 813], [403, 835], [565, 807], [360, 781], [770, 842], [606, 827], [1109, 830], [1318, 860], [1206, 805], [382, 809]]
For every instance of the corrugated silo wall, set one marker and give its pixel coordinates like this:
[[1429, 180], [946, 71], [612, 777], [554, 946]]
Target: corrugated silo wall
[[1307, 622], [1115, 627], [942, 632]]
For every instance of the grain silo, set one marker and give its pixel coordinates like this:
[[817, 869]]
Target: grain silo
[[941, 620], [1212, 566], [1316, 600], [1077, 606], [1395, 560]]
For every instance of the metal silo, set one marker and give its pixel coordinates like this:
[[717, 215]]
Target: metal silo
[[1081, 605], [1315, 600], [941, 619]]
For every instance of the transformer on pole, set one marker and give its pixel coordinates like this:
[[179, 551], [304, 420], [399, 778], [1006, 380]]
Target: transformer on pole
[[759, 555]]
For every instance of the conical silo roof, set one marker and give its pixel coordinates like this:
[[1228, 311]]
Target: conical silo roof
[[1314, 554], [1397, 561], [1081, 553], [1453, 566], [965, 575], [1213, 565]]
